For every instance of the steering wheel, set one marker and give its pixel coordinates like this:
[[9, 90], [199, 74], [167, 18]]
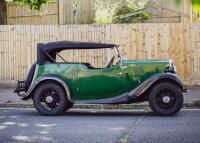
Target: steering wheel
[[111, 62]]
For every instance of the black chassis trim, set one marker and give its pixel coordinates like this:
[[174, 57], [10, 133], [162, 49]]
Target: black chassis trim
[[46, 77], [119, 99], [20, 88], [140, 90]]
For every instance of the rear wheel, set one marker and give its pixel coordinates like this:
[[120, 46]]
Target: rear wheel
[[68, 106], [166, 99], [50, 99]]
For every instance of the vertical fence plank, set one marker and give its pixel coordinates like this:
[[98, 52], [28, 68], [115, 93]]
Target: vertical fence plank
[[195, 53], [143, 41], [18, 14]]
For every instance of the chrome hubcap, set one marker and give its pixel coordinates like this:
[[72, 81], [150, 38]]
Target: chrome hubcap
[[49, 99], [166, 99]]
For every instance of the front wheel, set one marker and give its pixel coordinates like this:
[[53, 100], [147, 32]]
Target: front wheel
[[50, 99], [166, 99]]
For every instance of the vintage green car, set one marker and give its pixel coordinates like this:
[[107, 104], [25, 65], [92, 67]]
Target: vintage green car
[[55, 86]]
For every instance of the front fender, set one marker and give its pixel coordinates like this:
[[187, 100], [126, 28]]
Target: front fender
[[147, 84], [47, 77]]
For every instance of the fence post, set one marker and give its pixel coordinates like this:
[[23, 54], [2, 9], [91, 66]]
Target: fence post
[[192, 54]]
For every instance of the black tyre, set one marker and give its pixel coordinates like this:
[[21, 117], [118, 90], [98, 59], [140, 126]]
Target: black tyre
[[68, 106], [50, 99], [166, 99]]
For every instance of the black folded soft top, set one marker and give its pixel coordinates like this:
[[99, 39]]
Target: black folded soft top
[[52, 48], [64, 45]]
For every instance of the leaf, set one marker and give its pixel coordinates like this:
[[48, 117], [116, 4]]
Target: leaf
[[33, 4]]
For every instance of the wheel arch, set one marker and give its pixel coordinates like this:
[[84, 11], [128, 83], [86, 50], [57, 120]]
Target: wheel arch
[[142, 91], [48, 78], [169, 80]]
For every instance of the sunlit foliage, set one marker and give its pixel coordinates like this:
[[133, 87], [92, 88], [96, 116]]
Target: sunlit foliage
[[33, 4]]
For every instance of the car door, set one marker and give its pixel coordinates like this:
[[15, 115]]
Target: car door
[[102, 83]]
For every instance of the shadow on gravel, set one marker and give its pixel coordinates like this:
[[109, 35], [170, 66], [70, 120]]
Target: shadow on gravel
[[108, 113], [115, 113]]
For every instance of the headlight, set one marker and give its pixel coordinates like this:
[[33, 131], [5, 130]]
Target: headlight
[[174, 69], [170, 63], [171, 68]]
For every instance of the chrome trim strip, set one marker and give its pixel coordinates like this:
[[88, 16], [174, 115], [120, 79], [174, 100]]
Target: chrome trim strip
[[43, 78]]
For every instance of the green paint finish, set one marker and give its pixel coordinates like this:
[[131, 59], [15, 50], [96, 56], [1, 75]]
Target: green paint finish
[[90, 84], [140, 70], [101, 83], [66, 71]]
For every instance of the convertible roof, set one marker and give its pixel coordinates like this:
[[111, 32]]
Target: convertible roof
[[64, 45], [47, 51]]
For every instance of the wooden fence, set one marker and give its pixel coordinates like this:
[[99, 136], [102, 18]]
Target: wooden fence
[[82, 12], [180, 42], [164, 11], [2, 12], [21, 14]]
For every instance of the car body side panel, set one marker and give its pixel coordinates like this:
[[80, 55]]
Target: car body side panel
[[94, 84], [67, 72], [102, 83], [140, 70]]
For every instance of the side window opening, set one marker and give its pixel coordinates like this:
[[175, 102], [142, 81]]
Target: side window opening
[[91, 58]]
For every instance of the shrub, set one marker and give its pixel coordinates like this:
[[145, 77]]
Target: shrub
[[108, 11], [33, 4], [105, 11], [132, 7]]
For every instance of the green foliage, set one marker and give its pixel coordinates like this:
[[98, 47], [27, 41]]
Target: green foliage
[[105, 11], [108, 11], [195, 4], [33, 4], [132, 7]]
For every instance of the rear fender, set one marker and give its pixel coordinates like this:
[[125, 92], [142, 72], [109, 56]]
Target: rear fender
[[149, 83], [44, 78]]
